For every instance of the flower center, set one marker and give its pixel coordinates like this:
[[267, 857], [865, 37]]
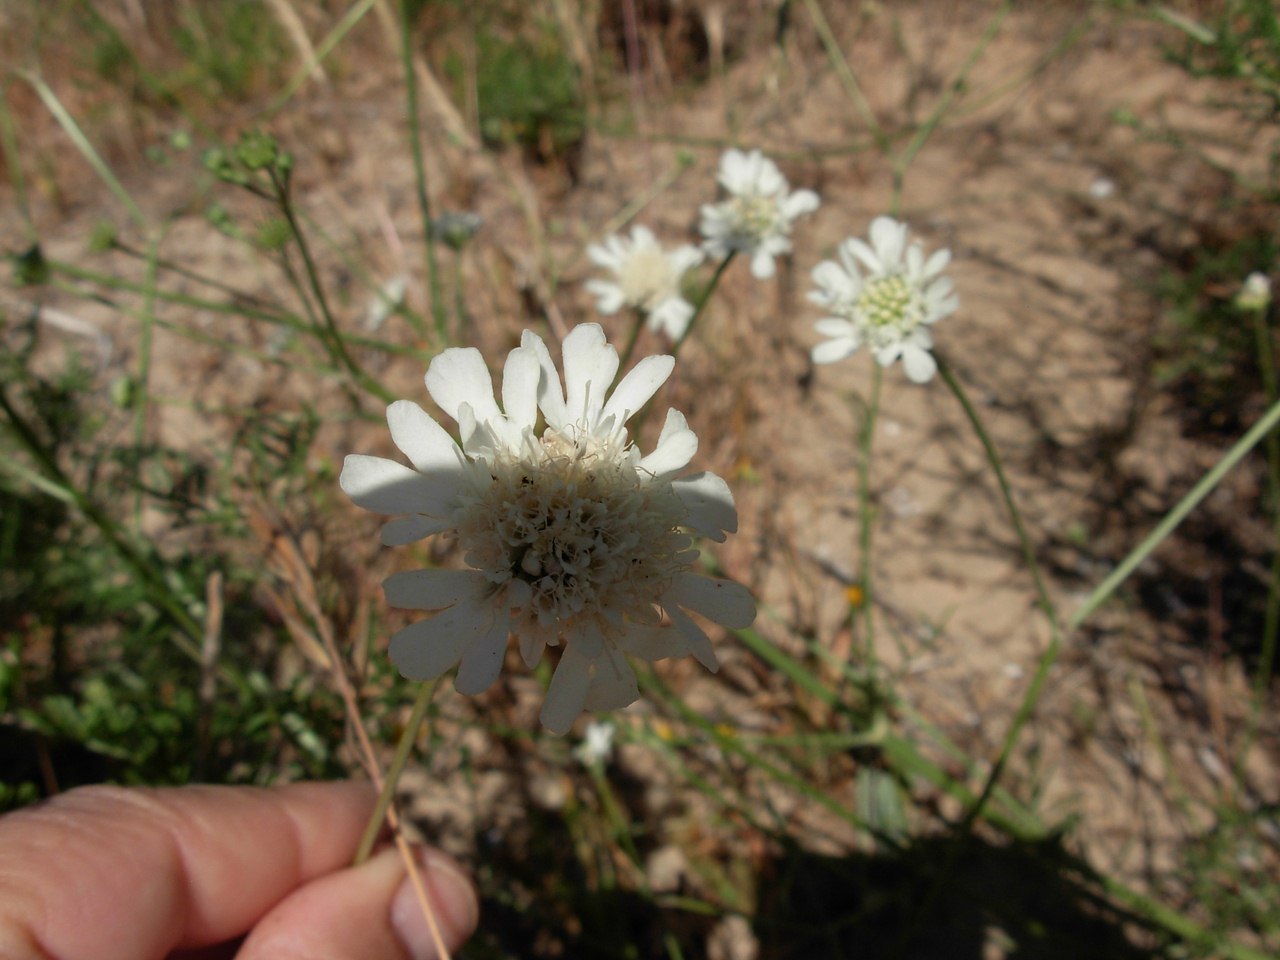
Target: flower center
[[756, 215], [890, 305], [571, 517], [645, 278]]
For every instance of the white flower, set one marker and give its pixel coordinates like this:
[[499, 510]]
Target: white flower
[[885, 295], [648, 280], [570, 536], [596, 745], [757, 215], [1254, 294]]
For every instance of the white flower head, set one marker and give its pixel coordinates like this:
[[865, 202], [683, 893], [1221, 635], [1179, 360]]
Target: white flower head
[[570, 536], [884, 294], [597, 744], [647, 279], [1254, 294], [756, 216]]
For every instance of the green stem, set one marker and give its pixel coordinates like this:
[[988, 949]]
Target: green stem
[[1166, 526], [404, 747], [702, 302], [637, 324], [142, 400], [866, 516], [1050, 655]]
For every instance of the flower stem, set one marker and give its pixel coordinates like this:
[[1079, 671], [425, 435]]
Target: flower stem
[[866, 516], [702, 302], [403, 747], [632, 339], [1050, 655]]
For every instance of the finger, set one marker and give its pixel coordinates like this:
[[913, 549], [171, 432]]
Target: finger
[[104, 873], [368, 912]]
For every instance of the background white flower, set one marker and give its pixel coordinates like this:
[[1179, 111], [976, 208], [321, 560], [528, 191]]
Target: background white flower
[[757, 215], [647, 279], [570, 536], [885, 295], [597, 744]]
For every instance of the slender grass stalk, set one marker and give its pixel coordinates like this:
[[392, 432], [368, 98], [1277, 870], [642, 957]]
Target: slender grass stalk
[[13, 162], [142, 396], [388, 792], [1050, 655], [845, 74], [866, 521], [904, 159], [326, 46], [633, 337], [82, 144], [420, 173], [1239, 450], [701, 305]]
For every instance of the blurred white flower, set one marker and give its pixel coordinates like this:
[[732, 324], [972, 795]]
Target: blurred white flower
[[570, 536], [757, 215], [885, 295], [1255, 293], [647, 279], [597, 744]]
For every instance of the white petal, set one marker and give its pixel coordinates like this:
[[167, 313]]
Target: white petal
[[520, 378], [567, 693], [710, 504], [799, 203], [609, 296], [671, 317], [426, 649], [676, 446], [728, 603], [402, 530], [937, 263], [919, 364], [835, 327], [433, 589], [613, 684], [888, 237], [550, 393], [482, 661], [387, 487], [459, 375], [699, 642], [638, 386], [833, 351], [869, 258], [427, 444], [888, 353], [762, 264], [590, 364]]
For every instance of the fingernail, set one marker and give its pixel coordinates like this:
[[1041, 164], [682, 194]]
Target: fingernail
[[452, 898]]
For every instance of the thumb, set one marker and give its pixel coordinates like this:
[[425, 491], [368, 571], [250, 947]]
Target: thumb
[[369, 912]]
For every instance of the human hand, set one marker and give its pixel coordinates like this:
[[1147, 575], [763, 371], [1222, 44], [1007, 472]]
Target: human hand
[[108, 873]]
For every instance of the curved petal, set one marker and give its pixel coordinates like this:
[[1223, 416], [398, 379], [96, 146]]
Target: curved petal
[[919, 364], [696, 637], [835, 327], [710, 504], [433, 589], [676, 446], [420, 438], [459, 375], [833, 351], [613, 684], [388, 487], [609, 296], [723, 601], [652, 643], [762, 264], [482, 660], [590, 364], [800, 203], [637, 387], [426, 649], [550, 392], [567, 693], [520, 378]]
